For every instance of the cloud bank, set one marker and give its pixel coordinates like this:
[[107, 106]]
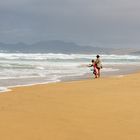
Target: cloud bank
[[99, 22]]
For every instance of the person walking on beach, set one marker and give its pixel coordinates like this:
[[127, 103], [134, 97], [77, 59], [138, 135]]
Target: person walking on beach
[[98, 65], [95, 70]]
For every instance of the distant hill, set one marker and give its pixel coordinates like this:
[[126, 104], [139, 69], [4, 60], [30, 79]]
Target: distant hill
[[135, 53], [56, 46]]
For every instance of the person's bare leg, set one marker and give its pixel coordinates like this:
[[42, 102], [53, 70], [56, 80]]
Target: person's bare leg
[[96, 76], [98, 73]]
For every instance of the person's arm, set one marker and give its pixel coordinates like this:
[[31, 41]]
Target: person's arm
[[90, 65]]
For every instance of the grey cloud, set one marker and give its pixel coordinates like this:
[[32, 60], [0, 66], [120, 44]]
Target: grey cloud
[[82, 21]]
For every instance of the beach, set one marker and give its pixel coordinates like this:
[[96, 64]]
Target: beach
[[96, 109], [69, 70]]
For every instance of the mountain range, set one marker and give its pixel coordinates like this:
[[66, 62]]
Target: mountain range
[[56, 46]]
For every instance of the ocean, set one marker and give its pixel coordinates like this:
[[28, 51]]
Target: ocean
[[21, 69]]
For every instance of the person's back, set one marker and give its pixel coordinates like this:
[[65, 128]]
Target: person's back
[[98, 62]]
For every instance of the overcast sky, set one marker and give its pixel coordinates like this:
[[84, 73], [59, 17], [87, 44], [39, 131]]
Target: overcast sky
[[96, 22]]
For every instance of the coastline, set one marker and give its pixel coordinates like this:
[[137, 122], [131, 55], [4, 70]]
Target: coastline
[[105, 108], [8, 84], [25, 70]]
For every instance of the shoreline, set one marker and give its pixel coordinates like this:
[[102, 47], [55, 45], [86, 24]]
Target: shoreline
[[87, 76]]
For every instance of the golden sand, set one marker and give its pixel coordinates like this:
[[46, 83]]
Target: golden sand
[[101, 109]]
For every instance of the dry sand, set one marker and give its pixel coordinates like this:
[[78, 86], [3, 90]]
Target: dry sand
[[101, 109]]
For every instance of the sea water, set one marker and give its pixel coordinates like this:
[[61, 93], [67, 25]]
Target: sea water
[[18, 69]]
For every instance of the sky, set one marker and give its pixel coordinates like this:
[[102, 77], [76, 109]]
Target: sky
[[87, 22]]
